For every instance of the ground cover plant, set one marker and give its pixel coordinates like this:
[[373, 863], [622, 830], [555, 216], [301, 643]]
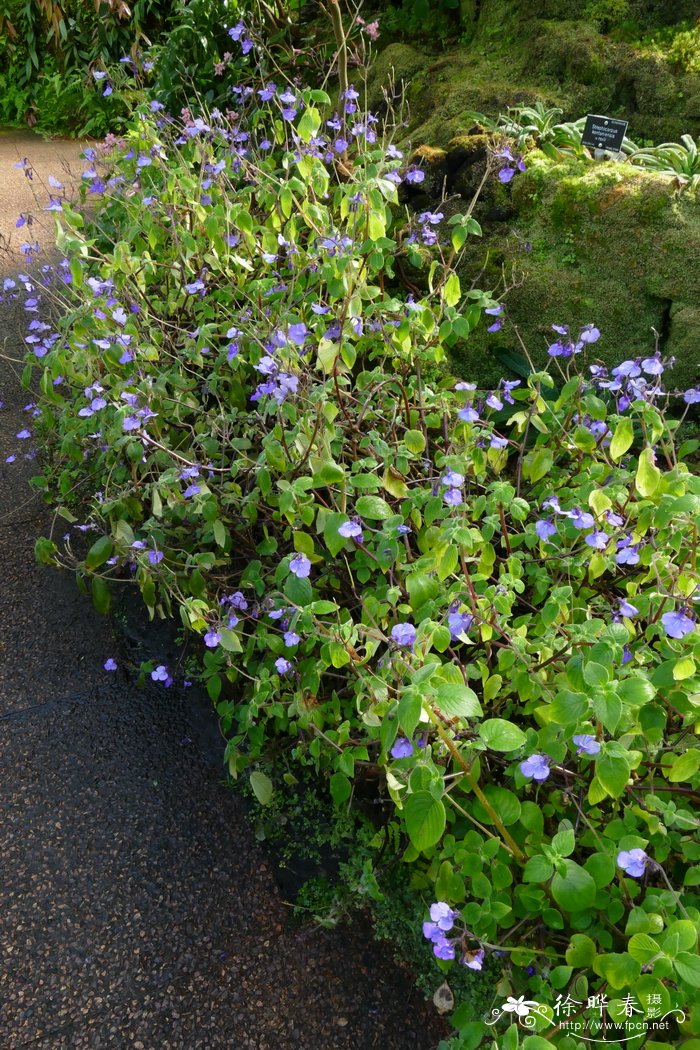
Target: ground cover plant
[[476, 607]]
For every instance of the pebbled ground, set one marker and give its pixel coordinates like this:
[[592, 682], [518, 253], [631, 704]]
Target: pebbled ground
[[136, 909]]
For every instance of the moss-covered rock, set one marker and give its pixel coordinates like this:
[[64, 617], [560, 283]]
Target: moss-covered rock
[[601, 243]]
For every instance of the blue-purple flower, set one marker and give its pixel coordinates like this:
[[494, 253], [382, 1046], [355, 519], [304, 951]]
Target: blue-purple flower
[[403, 748], [351, 530], [677, 624], [403, 634], [536, 767], [633, 862], [586, 744], [300, 566]]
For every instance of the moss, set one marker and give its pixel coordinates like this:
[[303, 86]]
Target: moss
[[605, 244]]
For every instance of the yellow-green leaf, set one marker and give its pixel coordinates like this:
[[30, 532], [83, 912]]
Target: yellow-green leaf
[[622, 438], [648, 474]]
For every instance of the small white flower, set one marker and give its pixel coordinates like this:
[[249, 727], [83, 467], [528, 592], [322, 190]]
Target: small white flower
[[521, 1006]]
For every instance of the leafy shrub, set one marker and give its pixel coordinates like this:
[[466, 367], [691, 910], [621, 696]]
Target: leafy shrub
[[477, 605], [53, 50]]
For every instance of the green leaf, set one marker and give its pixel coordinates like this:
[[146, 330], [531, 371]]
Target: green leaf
[[685, 766], [538, 869], [219, 533], [458, 701], [648, 474], [262, 787], [602, 869], [575, 890], [374, 508], [595, 674], [331, 537], [621, 439], [452, 290], [230, 640], [636, 691], [642, 947], [581, 951], [425, 819], [560, 976], [537, 463], [608, 709], [620, 971], [100, 551], [414, 441], [328, 473], [341, 788], [569, 708], [564, 842], [101, 596], [409, 711], [612, 772], [327, 355], [421, 589], [687, 967], [500, 735], [684, 668], [308, 124]]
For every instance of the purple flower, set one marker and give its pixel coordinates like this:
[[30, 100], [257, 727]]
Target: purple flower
[[453, 497], [443, 949], [414, 175], [404, 634], [291, 638], [545, 528], [160, 674], [155, 557], [212, 639], [468, 414], [627, 609], [581, 519], [283, 666], [626, 655], [475, 960], [494, 311], [300, 566], [676, 624], [506, 174], [23, 434], [458, 623], [297, 334], [586, 744], [110, 664], [191, 490], [633, 861], [452, 479], [536, 767], [598, 540], [627, 552], [403, 748], [589, 334], [351, 530], [692, 396], [443, 916]]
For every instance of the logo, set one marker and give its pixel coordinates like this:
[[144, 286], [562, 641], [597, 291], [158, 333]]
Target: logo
[[597, 1020]]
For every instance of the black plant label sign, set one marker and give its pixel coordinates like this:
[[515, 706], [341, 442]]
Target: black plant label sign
[[604, 133]]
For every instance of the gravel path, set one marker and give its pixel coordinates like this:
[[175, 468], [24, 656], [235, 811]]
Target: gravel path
[[137, 910]]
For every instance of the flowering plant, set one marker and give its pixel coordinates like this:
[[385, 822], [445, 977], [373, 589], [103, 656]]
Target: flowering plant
[[487, 597]]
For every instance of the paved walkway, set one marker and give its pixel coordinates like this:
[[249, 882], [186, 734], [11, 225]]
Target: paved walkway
[[136, 910]]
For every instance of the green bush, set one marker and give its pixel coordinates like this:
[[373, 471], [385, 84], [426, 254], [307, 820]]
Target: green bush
[[473, 606]]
